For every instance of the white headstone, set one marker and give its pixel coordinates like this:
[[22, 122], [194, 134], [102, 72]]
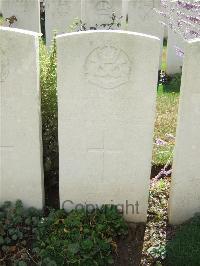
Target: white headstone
[[106, 95], [20, 140], [143, 18], [175, 50], [27, 13], [185, 186], [100, 11], [60, 15]]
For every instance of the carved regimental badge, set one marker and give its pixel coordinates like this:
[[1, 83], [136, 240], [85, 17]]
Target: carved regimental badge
[[107, 67], [4, 66], [104, 7]]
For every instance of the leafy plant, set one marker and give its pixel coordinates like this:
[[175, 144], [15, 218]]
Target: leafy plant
[[79, 25], [17, 232], [48, 86], [80, 237], [173, 83], [1, 19], [157, 252]]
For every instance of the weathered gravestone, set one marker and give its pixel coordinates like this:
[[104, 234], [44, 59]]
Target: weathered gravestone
[[98, 12], [106, 96], [60, 15], [143, 18], [185, 186], [20, 140], [27, 13]]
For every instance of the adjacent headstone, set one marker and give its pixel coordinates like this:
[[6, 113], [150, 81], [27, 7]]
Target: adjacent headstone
[[106, 97], [143, 18], [175, 43], [185, 186], [59, 16], [26, 12], [182, 28], [175, 53], [20, 140], [99, 12]]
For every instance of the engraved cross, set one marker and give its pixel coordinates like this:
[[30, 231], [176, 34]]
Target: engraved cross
[[103, 151]]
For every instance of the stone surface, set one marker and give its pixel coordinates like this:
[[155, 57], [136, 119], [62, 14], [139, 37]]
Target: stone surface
[[143, 18], [175, 49], [185, 186], [20, 139], [106, 97], [100, 12], [27, 13], [60, 15]]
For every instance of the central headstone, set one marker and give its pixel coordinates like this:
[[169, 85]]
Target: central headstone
[[106, 96]]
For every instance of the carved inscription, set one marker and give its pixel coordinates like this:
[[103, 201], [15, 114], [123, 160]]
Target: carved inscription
[[107, 67], [4, 66]]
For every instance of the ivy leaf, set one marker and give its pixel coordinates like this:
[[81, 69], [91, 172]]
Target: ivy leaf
[[1, 240], [73, 248]]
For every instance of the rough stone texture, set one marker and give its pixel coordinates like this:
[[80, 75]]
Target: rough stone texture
[[143, 18], [20, 140], [185, 186], [60, 15], [100, 12], [106, 97], [27, 13]]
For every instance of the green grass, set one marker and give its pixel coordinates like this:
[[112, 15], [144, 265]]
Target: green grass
[[165, 125], [164, 56], [183, 249], [166, 118]]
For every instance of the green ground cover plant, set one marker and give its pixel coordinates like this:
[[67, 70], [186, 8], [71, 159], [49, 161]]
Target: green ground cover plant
[[80, 237], [184, 248], [173, 84], [18, 227]]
